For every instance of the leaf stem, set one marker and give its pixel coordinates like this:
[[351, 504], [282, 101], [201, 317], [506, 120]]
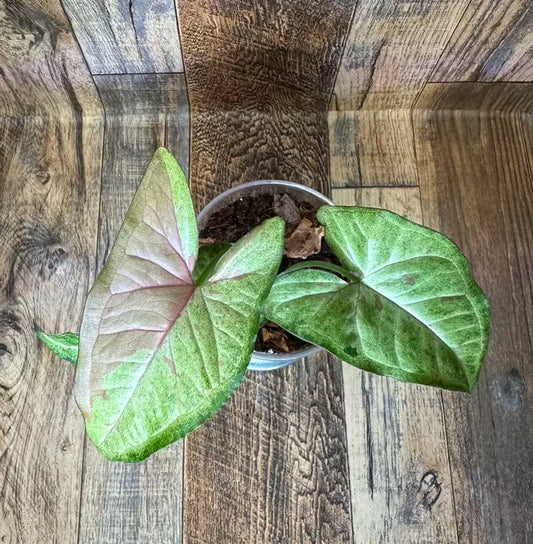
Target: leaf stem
[[348, 274]]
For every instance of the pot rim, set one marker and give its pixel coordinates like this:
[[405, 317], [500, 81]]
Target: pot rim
[[277, 360], [260, 183]]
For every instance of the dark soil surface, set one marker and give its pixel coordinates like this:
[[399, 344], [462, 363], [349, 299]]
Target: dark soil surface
[[303, 237]]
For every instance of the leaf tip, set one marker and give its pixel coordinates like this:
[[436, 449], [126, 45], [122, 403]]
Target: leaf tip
[[163, 152], [276, 223], [322, 212], [163, 155], [65, 346]]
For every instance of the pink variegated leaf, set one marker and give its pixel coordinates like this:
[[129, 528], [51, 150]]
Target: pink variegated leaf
[[158, 354]]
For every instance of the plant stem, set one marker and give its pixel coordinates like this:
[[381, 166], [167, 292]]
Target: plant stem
[[348, 274]]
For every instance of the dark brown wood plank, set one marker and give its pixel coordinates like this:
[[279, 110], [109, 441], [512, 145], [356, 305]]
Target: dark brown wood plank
[[399, 467], [491, 43], [476, 181], [272, 465], [121, 502], [51, 127], [127, 36], [259, 80]]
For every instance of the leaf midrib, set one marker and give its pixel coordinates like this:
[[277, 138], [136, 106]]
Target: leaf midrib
[[147, 366], [164, 336], [456, 267]]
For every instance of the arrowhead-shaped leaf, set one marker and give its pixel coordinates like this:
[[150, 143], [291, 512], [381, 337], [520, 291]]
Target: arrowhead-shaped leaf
[[159, 354], [416, 314]]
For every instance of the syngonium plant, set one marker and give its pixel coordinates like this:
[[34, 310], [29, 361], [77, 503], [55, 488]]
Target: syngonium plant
[[169, 327]]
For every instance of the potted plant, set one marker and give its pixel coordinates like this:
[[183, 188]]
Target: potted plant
[[169, 325], [235, 212]]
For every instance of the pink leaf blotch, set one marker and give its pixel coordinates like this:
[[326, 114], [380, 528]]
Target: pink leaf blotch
[[159, 354]]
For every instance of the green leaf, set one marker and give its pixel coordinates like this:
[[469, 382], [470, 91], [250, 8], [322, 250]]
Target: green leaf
[[208, 257], [416, 314], [158, 354], [310, 304], [65, 346]]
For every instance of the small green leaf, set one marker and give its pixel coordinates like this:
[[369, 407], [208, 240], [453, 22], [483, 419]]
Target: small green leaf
[[65, 346], [208, 257], [160, 354], [416, 313]]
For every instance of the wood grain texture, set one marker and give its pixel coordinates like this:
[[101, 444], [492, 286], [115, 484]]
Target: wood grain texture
[[391, 50], [272, 465], [491, 43], [372, 148], [260, 79], [399, 466], [476, 181], [51, 128], [127, 36], [477, 99], [121, 502]]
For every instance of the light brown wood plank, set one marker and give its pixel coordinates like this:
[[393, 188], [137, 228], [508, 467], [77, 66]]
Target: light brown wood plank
[[491, 43], [390, 52], [127, 36], [476, 181], [121, 502], [372, 148], [496, 99], [51, 127], [399, 466], [271, 466]]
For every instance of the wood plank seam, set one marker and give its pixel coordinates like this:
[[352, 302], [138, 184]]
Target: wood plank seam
[[473, 80], [332, 99], [97, 250], [443, 413], [331, 359], [379, 186], [117, 74]]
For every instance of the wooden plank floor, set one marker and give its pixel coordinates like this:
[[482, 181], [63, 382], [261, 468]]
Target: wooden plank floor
[[50, 161], [277, 455], [476, 182], [142, 113], [341, 99]]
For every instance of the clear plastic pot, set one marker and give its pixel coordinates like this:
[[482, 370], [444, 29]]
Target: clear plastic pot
[[260, 360]]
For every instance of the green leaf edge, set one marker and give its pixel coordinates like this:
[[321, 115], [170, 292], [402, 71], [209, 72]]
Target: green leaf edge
[[182, 198], [213, 253], [190, 423]]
